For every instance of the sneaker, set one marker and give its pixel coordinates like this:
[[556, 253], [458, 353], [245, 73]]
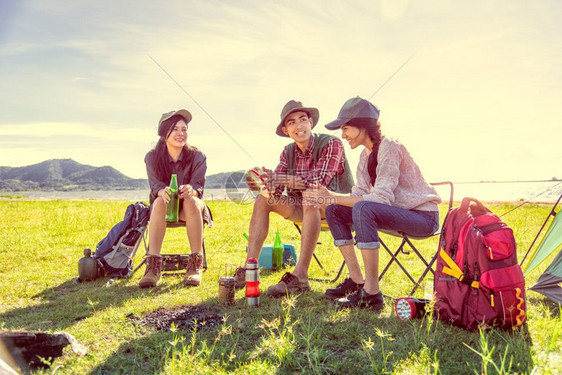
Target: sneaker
[[194, 272], [153, 271], [346, 287], [363, 300], [240, 278], [289, 284]]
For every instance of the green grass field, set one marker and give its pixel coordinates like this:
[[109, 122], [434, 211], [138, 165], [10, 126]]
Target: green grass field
[[42, 241]]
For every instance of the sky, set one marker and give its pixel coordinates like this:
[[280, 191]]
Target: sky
[[472, 89]]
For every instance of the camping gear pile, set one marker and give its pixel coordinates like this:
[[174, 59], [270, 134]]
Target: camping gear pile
[[114, 254]]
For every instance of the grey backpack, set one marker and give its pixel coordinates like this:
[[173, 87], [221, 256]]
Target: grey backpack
[[115, 252]]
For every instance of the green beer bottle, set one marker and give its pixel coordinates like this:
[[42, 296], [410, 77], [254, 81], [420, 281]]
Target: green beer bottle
[[172, 208], [277, 256]]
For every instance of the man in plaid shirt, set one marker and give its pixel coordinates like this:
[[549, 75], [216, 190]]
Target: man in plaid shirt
[[310, 159]]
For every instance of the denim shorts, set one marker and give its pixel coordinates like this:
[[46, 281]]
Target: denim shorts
[[367, 217]]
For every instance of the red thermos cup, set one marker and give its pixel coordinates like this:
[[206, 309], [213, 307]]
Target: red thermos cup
[[252, 282]]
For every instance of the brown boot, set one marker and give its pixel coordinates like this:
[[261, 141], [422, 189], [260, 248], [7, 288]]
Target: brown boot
[[194, 271], [153, 271], [289, 284], [239, 278]]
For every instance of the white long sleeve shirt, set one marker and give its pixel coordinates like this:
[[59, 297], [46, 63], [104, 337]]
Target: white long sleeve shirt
[[399, 180]]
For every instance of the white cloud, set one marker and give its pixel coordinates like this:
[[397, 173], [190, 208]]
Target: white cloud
[[482, 73], [88, 130]]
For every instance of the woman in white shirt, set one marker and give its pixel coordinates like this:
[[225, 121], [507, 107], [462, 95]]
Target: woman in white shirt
[[390, 194]]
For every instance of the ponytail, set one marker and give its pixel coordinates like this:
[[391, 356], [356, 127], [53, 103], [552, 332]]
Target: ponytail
[[373, 127], [372, 163]]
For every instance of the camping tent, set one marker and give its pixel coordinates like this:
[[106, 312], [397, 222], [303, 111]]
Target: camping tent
[[550, 282]]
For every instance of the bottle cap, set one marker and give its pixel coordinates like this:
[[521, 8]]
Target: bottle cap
[[251, 264]]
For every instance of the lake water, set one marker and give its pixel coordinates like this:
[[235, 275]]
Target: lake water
[[543, 191]]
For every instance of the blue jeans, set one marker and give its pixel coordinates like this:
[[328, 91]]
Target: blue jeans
[[368, 217]]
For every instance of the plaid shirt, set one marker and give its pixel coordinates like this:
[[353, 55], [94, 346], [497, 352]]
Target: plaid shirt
[[330, 163]]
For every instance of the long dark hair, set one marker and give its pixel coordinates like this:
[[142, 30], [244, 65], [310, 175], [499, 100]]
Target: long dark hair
[[163, 166], [373, 127]]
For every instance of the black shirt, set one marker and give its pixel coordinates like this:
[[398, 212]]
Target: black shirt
[[193, 173]]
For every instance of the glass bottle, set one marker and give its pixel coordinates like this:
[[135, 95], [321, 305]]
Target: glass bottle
[[277, 252], [172, 208]]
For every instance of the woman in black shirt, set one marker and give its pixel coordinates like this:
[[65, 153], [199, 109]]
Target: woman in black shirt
[[172, 155]]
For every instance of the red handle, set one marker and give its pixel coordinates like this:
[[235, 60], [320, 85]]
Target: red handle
[[465, 206]]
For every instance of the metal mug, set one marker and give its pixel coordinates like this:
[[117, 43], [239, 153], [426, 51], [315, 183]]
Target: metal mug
[[226, 289]]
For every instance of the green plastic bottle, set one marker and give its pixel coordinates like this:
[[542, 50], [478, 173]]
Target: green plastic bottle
[[277, 256], [172, 208]]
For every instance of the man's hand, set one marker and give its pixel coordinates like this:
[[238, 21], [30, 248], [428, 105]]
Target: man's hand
[[255, 179], [290, 181], [318, 195]]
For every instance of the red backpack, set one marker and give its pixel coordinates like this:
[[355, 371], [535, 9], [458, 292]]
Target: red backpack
[[477, 277]]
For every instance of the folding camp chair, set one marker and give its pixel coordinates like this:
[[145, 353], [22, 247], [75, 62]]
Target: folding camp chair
[[173, 263], [407, 240]]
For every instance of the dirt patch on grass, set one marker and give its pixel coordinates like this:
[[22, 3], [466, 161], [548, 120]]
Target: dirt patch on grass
[[183, 317]]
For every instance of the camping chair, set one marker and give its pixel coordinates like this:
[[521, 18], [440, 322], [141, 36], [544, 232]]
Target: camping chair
[[323, 228], [173, 263], [407, 240]]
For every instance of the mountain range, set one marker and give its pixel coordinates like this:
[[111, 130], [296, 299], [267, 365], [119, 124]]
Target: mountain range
[[69, 175]]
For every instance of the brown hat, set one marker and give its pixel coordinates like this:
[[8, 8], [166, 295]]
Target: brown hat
[[293, 106], [182, 112]]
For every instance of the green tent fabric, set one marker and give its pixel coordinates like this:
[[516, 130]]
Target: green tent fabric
[[551, 241], [550, 282]]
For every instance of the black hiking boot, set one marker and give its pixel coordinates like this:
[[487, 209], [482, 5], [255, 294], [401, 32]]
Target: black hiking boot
[[363, 300], [348, 286]]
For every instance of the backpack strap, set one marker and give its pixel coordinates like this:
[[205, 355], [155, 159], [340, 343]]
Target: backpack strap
[[121, 243], [455, 271]]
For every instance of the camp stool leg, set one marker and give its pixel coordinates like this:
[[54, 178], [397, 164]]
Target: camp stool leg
[[394, 258], [173, 259], [323, 228], [406, 240], [145, 242]]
